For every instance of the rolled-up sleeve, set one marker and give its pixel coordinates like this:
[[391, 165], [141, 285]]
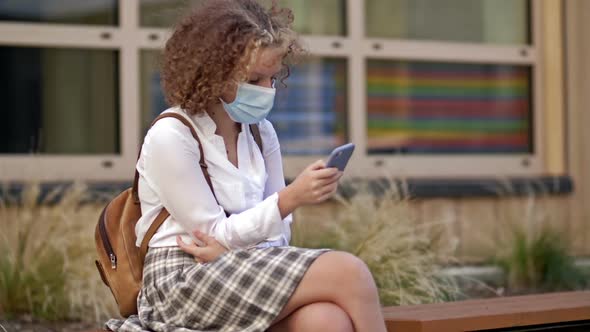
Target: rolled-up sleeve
[[171, 169]]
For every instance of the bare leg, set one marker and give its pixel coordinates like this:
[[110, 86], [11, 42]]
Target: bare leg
[[344, 280], [320, 316]]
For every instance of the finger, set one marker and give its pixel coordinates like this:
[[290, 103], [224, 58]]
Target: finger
[[324, 173], [186, 247], [206, 239], [209, 240], [320, 185], [320, 193], [318, 164], [320, 188], [329, 188], [329, 180], [327, 195]]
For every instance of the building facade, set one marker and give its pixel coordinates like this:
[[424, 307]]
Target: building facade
[[446, 95]]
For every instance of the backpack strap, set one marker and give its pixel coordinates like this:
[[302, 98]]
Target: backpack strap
[[257, 138], [151, 231], [201, 159], [164, 213]]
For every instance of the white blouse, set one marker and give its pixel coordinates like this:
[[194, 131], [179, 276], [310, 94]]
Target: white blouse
[[170, 176]]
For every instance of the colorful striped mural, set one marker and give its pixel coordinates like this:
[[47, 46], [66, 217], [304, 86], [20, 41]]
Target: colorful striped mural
[[310, 113], [423, 107]]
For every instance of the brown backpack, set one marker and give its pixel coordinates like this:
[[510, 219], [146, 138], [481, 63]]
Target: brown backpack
[[120, 261]]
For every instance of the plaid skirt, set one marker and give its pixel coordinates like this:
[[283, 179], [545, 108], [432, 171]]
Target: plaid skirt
[[242, 290]]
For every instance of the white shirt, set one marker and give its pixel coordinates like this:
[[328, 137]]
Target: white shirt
[[170, 176]]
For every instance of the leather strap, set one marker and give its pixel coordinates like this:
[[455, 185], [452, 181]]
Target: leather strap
[[151, 231], [201, 159], [163, 215]]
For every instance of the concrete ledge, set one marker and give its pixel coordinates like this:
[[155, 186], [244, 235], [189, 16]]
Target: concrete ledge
[[473, 187], [416, 188]]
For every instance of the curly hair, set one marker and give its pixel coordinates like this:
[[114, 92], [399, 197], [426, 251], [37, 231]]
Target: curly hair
[[213, 47]]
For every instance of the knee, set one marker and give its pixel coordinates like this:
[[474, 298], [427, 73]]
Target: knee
[[326, 317], [354, 271]]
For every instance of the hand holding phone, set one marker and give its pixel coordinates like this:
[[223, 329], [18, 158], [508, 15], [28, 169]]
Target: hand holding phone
[[340, 156], [305, 190]]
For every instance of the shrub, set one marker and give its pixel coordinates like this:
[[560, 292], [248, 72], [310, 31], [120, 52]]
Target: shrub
[[47, 256], [533, 250], [384, 233], [540, 261]]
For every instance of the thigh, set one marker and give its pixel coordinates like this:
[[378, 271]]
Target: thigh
[[328, 279], [319, 316]]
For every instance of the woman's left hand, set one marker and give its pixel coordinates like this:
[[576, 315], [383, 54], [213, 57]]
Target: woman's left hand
[[205, 254]]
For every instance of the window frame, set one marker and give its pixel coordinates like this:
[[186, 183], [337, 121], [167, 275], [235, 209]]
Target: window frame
[[100, 167], [129, 38]]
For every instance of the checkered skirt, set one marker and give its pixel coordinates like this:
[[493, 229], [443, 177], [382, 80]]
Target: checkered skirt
[[242, 290]]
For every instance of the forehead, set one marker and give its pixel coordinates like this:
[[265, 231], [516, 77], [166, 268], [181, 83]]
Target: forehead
[[268, 61]]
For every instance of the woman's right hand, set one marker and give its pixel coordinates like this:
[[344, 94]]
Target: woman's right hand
[[315, 184]]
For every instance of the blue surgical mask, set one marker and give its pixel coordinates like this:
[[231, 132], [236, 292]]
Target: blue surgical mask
[[252, 103]]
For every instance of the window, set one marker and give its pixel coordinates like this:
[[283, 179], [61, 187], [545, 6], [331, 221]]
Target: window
[[95, 12], [59, 101], [422, 87], [448, 108], [477, 21], [451, 88], [326, 17], [163, 14], [310, 112], [65, 92], [152, 97]]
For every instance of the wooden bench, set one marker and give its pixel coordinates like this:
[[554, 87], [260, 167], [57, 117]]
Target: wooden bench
[[476, 315]]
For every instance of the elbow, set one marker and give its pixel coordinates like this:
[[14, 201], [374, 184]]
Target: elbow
[[226, 236]]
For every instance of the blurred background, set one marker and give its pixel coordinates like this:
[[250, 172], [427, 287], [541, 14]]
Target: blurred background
[[473, 111]]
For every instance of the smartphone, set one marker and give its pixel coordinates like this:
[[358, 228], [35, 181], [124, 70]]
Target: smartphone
[[340, 156]]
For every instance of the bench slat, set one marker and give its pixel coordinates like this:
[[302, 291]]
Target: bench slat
[[490, 313]]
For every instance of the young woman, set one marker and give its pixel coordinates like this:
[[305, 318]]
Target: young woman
[[221, 261]]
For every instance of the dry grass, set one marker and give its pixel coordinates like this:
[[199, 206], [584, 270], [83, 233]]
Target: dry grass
[[47, 257], [47, 252], [385, 234]]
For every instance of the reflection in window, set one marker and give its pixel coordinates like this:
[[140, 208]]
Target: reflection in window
[[310, 114], [93, 12], [482, 21], [163, 13], [312, 17], [59, 101], [152, 97], [421, 107]]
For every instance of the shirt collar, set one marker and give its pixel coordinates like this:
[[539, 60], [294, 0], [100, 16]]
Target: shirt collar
[[205, 123]]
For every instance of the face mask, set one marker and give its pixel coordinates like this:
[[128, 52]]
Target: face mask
[[252, 103]]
